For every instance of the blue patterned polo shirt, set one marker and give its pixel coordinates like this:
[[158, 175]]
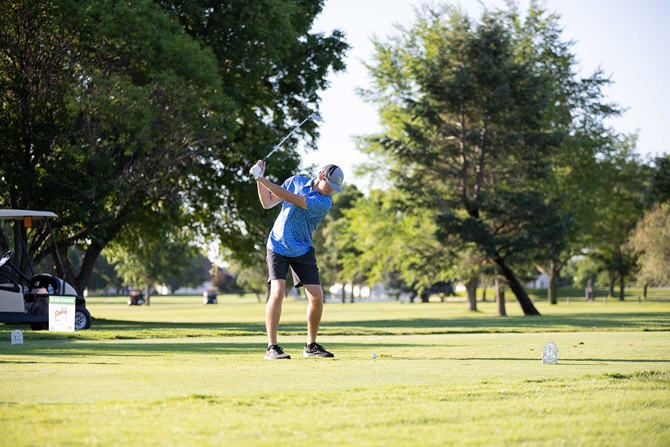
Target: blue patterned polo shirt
[[291, 234]]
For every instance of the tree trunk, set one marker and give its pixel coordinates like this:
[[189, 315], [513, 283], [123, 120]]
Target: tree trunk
[[622, 287], [92, 253], [147, 296], [500, 298], [644, 291], [81, 281], [553, 276], [471, 288], [610, 286], [352, 292], [521, 296], [412, 295], [485, 286]]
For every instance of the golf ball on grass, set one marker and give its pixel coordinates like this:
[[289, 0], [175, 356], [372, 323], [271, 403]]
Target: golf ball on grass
[[374, 356]]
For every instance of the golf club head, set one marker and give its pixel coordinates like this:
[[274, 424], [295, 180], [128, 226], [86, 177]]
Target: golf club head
[[315, 117]]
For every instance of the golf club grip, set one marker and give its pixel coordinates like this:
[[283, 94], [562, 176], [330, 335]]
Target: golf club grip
[[268, 155]]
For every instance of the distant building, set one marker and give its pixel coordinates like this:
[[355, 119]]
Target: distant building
[[165, 290], [378, 291], [541, 282]]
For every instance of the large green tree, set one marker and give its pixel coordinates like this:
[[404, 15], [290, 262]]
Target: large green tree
[[274, 70], [472, 125], [118, 114]]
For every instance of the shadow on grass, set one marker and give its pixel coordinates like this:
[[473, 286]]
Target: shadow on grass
[[128, 348], [475, 324], [125, 348], [124, 325], [122, 329], [562, 360]]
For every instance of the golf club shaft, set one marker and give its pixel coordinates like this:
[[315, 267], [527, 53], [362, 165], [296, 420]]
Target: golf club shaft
[[285, 138]]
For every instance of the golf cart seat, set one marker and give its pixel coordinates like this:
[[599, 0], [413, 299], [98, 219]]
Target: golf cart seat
[[10, 287], [53, 284], [6, 282]]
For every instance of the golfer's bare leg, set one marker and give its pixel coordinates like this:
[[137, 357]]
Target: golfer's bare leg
[[314, 311], [273, 309]]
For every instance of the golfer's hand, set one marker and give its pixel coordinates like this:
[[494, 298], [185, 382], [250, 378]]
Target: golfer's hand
[[257, 170]]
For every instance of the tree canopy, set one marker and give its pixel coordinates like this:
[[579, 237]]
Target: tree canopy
[[120, 114]]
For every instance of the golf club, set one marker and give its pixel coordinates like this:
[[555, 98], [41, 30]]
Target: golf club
[[313, 117]]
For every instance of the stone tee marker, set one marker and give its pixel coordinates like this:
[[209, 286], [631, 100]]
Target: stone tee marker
[[17, 337], [550, 354]]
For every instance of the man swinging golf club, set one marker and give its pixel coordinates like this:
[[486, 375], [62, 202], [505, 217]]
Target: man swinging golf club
[[305, 202]]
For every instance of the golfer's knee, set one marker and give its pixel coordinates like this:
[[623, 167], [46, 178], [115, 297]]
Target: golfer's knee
[[277, 293], [314, 293]]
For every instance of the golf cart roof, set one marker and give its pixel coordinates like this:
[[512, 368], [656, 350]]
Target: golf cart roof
[[20, 214]]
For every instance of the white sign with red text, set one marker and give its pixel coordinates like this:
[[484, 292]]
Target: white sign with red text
[[61, 313]]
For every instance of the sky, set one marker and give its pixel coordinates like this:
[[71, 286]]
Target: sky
[[629, 40]]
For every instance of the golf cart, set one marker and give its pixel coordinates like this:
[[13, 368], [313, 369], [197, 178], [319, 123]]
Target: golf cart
[[209, 297], [24, 299], [136, 298]]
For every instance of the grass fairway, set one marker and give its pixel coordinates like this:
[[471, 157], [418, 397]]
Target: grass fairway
[[181, 373]]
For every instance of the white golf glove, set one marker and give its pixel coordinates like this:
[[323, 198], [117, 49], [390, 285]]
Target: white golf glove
[[256, 172]]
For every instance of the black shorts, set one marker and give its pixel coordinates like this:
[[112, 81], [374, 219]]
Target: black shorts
[[303, 267]]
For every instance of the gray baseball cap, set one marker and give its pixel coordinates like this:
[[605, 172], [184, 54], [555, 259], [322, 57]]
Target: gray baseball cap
[[334, 175]]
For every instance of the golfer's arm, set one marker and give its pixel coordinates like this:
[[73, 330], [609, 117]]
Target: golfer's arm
[[280, 194], [268, 200]]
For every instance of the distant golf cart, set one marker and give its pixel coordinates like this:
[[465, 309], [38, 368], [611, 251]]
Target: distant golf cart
[[136, 298], [209, 297], [24, 298]]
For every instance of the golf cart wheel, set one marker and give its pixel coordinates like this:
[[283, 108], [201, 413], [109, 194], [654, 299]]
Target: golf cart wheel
[[82, 319], [39, 326]]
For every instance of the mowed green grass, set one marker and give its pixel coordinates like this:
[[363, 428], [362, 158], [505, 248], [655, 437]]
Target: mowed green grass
[[181, 373]]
